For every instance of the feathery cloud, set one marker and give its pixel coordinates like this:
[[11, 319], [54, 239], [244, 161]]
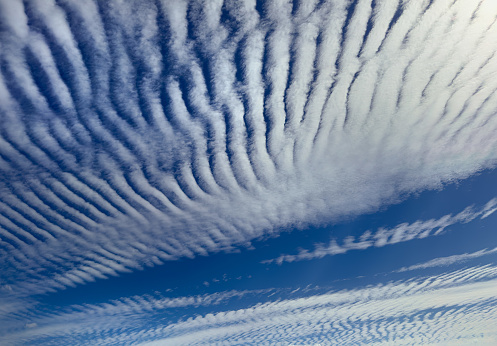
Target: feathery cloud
[[382, 237]]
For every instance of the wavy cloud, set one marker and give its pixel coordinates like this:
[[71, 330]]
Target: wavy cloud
[[134, 133], [446, 309], [382, 237]]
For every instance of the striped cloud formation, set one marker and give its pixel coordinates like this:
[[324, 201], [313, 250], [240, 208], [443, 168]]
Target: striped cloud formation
[[382, 237], [455, 308], [138, 132]]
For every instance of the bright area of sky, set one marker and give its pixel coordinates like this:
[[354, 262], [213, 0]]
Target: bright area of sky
[[248, 172]]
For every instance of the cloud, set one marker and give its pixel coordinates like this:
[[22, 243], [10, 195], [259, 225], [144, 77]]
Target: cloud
[[429, 310], [45, 322], [382, 237], [458, 306], [142, 132], [446, 261]]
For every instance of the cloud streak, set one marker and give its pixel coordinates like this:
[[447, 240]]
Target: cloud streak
[[383, 237], [446, 261], [458, 306]]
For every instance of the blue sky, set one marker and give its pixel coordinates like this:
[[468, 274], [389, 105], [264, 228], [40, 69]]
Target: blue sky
[[248, 172]]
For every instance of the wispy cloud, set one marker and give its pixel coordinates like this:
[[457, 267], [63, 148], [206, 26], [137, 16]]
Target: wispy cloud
[[446, 261], [383, 236]]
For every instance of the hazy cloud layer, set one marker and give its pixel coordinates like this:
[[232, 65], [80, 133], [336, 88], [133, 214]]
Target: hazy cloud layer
[[134, 133]]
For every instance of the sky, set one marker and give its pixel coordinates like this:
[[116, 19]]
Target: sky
[[306, 172]]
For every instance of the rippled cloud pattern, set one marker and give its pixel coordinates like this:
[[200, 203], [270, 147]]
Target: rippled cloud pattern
[[135, 133]]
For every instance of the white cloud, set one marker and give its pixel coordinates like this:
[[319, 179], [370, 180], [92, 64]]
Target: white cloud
[[382, 236], [90, 318], [443, 309], [446, 261], [421, 311], [142, 132]]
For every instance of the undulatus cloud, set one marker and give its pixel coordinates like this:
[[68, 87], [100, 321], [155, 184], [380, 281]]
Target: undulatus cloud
[[138, 133]]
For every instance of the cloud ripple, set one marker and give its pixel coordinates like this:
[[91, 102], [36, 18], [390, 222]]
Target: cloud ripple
[[139, 132], [457, 307]]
